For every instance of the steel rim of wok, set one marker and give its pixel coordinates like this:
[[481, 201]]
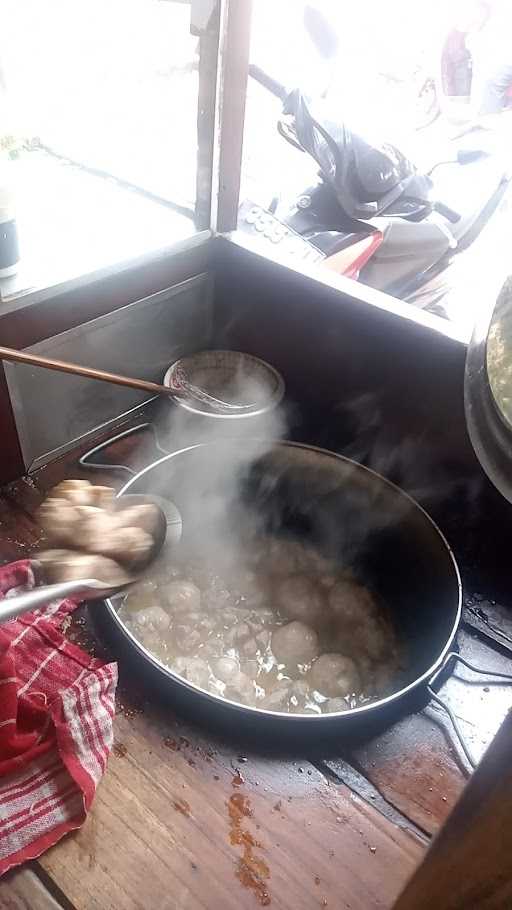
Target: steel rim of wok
[[426, 678]]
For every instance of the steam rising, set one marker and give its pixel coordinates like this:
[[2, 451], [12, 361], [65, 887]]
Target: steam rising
[[412, 464], [240, 487], [217, 523]]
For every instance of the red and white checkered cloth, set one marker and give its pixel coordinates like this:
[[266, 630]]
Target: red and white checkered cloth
[[56, 715]]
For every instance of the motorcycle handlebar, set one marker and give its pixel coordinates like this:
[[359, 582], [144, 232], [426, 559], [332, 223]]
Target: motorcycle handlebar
[[452, 216], [272, 85]]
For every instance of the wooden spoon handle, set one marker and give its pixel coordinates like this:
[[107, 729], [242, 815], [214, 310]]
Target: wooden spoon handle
[[64, 366]]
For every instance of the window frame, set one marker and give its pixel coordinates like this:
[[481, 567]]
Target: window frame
[[223, 29]]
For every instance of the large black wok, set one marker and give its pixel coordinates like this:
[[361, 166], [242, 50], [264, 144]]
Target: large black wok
[[345, 509]]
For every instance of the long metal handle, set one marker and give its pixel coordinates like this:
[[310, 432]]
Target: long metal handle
[[64, 366], [183, 390], [481, 671], [85, 460], [39, 597]]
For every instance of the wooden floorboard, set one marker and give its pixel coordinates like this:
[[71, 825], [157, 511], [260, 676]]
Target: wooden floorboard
[[468, 865], [19, 535], [417, 765], [174, 824]]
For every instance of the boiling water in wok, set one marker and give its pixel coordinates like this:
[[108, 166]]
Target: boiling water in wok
[[275, 538], [276, 626]]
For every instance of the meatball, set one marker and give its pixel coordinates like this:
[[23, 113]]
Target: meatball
[[60, 519], [299, 695], [68, 565], [294, 644], [182, 596], [327, 581], [103, 497], [153, 642], [371, 639], [192, 669], [335, 705], [278, 698], [187, 638], [298, 597], [283, 557], [248, 637], [213, 649], [291, 696], [334, 675], [216, 594], [241, 688], [126, 545], [145, 516], [226, 669], [77, 522], [78, 492], [65, 485], [350, 603], [316, 563], [153, 618]]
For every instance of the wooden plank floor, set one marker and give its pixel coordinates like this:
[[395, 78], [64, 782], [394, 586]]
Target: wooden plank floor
[[175, 824]]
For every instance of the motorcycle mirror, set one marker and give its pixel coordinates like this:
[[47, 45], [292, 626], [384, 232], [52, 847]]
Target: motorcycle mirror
[[320, 32], [467, 156]]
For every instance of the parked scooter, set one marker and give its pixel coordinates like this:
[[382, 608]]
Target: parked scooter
[[372, 215]]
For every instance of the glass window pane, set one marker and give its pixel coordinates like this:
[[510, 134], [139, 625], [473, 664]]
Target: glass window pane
[[99, 103]]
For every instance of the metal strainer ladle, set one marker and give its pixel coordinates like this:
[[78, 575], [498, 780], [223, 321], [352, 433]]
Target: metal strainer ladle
[[182, 389]]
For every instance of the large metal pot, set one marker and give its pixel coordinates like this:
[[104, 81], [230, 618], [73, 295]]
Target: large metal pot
[[488, 389], [341, 506]]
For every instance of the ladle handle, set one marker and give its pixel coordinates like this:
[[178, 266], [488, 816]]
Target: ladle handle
[[76, 369], [39, 597], [85, 460], [184, 389]]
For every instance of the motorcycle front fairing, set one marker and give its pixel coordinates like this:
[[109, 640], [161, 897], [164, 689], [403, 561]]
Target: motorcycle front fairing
[[367, 178]]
